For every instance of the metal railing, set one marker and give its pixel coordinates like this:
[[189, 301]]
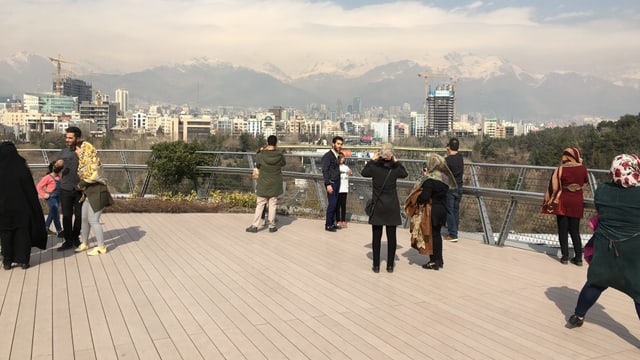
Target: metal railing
[[501, 202]]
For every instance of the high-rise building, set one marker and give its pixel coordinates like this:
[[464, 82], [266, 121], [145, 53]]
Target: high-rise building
[[357, 105], [101, 114], [489, 126], [417, 125], [75, 88], [441, 108], [122, 98], [138, 120], [49, 103]]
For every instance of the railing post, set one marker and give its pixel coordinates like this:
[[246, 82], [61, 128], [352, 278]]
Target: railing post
[[123, 157], [147, 179], [484, 213], [511, 210]]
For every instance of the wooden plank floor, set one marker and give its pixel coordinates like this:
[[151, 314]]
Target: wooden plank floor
[[197, 286]]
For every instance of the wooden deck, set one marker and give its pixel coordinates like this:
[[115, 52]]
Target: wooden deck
[[197, 286]]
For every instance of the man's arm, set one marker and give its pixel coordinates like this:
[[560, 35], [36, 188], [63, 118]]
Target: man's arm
[[325, 164]]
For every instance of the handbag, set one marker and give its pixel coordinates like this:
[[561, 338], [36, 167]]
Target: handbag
[[588, 251], [368, 209], [550, 208], [371, 204]]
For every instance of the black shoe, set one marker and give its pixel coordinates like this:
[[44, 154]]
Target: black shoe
[[431, 265], [564, 260], [576, 320], [65, 246], [61, 234], [6, 266], [389, 268], [252, 229], [337, 227], [375, 269], [576, 261], [330, 228], [273, 229], [25, 266]]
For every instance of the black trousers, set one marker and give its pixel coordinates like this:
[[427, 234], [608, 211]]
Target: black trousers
[[391, 244], [569, 226], [71, 215], [436, 237], [341, 210]]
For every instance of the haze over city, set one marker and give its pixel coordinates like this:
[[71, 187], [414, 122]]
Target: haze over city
[[594, 37]]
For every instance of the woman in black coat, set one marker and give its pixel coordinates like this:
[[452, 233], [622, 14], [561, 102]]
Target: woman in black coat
[[436, 181], [21, 218], [384, 169]]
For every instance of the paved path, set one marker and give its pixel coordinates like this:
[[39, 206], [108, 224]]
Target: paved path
[[197, 286]]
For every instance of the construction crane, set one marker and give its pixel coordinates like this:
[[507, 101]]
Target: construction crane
[[58, 61]]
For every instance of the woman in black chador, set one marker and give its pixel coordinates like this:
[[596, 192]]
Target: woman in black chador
[[21, 217]]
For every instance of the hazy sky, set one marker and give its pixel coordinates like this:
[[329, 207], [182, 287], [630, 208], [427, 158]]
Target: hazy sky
[[130, 35]]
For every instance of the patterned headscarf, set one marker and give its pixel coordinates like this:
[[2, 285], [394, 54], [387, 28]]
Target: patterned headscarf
[[625, 170], [437, 169], [89, 164], [571, 155]]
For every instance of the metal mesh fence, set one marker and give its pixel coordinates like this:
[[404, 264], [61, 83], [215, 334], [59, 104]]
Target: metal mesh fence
[[304, 195]]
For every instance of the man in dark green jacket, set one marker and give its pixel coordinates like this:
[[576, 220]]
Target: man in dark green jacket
[[269, 162]]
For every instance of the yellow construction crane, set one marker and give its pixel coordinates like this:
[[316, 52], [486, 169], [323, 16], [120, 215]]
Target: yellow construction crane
[[58, 61]]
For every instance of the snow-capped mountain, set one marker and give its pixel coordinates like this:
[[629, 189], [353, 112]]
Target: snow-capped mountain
[[489, 85]]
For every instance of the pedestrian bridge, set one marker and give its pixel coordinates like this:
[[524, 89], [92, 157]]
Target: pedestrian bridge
[[197, 286]]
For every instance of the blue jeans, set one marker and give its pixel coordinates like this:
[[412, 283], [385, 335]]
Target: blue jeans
[[54, 213], [453, 211], [332, 205]]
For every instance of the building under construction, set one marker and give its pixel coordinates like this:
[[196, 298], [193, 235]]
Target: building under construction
[[75, 88], [441, 108]]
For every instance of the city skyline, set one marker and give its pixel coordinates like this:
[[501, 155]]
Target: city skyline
[[295, 36]]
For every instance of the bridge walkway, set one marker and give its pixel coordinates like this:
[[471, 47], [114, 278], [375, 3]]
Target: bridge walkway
[[197, 286]]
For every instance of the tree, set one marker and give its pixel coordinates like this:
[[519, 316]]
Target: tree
[[173, 162]]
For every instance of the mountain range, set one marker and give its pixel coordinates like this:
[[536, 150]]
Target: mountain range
[[488, 85]]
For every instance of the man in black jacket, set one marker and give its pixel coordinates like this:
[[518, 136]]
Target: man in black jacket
[[69, 193], [331, 175], [455, 163]]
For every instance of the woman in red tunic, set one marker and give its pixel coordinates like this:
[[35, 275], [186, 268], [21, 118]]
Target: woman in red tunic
[[564, 198]]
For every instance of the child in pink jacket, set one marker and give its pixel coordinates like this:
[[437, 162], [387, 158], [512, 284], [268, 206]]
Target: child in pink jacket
[[49, 189]]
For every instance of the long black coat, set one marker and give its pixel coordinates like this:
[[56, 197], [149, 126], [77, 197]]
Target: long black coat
[[19, 206], [387, 209]]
